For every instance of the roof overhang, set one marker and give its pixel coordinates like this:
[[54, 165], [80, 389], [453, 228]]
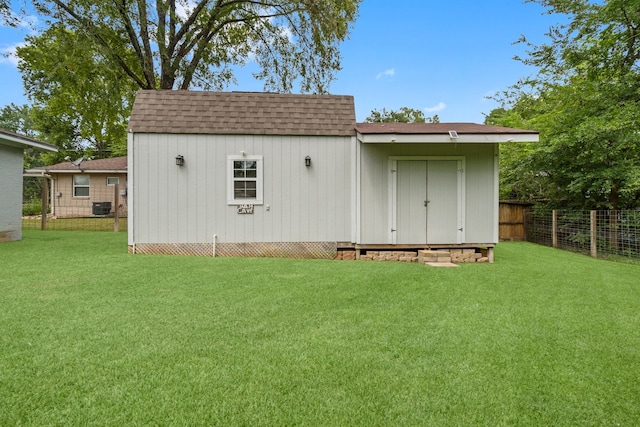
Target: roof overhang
[[439, 138], [71, 171], [27, 174], [15, 140]]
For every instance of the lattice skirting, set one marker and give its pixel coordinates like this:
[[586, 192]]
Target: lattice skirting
[[322, 250]]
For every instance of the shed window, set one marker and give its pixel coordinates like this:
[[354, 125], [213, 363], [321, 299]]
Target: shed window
[[80, 185], [244, 180]]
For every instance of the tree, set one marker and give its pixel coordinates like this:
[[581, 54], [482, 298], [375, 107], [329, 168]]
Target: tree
[[584, 103], [81, 101], [403, 115], [6, 16], [182, 44], [83, 71], [18, 119]]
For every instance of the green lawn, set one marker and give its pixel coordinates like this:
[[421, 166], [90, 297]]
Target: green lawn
[[91, 335], [75, 224]]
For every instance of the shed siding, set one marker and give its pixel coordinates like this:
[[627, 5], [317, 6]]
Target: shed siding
[[479, 180], [11, 163], [188, 204]]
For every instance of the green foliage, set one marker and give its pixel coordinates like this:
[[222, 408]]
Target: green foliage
[[89, 332], [83, 71], [584, 103], [6, 17], [19, 119], [32, 207], [169, 44], [403, 115], [81, 101]]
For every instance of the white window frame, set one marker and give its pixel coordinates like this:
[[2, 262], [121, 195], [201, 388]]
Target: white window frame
[[75, 186], [116, 178], [231, 200]]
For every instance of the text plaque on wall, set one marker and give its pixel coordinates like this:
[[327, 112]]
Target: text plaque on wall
[[245, 209]]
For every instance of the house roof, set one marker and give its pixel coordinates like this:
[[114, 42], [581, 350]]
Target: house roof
[[112, 164], [242, 113], [441, 133], [22, 141]]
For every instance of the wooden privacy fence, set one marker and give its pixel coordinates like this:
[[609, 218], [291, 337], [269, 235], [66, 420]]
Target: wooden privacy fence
[[511, 226], [597, 233]]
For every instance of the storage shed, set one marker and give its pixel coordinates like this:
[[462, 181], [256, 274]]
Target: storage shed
[[12, 146], [433, 184], [262, 174]]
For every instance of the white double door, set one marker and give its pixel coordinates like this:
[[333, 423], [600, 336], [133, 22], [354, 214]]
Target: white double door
[[427, 202]]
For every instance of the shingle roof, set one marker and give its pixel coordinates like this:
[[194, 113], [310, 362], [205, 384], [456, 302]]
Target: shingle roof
[[244, 113], [17, 140], [110, 164], [436, 128]]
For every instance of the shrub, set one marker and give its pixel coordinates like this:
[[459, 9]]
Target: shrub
[[33, 207]]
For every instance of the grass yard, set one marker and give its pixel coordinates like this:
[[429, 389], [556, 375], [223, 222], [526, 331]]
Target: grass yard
[[94, 336], [76, 224]]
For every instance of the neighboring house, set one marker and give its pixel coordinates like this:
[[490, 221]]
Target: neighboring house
[[84, 188], [12, 147], [263, 174]]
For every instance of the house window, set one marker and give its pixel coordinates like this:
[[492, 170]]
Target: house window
[[80, 185], [113, 180], [244, 175]]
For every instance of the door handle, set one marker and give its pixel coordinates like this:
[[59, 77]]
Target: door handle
[[426, 202]]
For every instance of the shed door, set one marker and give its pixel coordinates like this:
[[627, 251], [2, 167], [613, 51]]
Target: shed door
[[428, 202]]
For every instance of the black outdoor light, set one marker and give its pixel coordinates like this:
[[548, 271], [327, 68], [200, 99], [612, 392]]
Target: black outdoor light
[[180, 160], [307, 161]]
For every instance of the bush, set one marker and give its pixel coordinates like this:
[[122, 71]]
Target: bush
[[33, 207]]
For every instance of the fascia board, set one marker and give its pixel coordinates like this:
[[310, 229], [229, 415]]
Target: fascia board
[[15, 141], [446, 139]]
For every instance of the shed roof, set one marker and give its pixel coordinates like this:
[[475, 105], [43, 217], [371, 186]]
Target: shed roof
[[464, 133], [242, 113], [112, 164], [22, 141], [436, 128]]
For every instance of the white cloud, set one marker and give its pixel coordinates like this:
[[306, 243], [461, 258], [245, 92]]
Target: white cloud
[[387, 73], [441, 106], [8, 54]]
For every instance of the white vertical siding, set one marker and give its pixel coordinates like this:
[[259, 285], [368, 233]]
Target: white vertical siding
[[480, 180], [188, 204], [11, 163]]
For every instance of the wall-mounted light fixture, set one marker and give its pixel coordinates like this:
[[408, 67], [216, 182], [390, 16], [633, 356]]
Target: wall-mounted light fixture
[[307, 161], [180, 160]]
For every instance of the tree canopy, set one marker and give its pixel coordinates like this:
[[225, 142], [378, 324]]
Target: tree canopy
[[83, 70], [402, 115], [81, 102], [584, 102], [183, 44]]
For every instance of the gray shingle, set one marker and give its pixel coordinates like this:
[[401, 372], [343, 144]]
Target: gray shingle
[[244, 113]]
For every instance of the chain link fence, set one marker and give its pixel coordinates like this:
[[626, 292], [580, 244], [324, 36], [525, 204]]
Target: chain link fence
[[603, 234]]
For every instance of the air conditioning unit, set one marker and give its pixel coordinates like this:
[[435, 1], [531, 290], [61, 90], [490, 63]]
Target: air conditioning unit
[[101, 208]]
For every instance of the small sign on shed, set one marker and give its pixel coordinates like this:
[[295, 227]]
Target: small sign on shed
[[245, 209]]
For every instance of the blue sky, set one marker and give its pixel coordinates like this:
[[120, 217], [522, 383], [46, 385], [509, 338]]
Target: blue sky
[[442, 57]]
